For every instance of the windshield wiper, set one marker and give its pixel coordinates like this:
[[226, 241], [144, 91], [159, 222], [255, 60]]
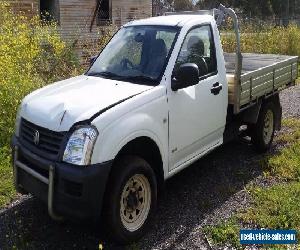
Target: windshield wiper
[[136, 79], [140, 78], [104, 73]]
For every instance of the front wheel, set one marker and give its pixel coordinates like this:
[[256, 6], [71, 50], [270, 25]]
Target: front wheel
[[263, 130], [131, 199]]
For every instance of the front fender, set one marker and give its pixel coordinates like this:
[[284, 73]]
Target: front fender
[[150, 120]]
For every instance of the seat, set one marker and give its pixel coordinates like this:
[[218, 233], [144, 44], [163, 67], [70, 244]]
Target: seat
[[156, 59], [195, 49], [196, 45]]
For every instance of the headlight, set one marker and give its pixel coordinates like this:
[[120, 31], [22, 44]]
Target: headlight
[[80, 146], [18, 121]]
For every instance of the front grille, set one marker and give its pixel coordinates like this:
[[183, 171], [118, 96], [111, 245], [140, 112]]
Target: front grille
[[49, 142], [29, 162]]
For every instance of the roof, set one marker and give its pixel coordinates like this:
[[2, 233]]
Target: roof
[[171, 20]]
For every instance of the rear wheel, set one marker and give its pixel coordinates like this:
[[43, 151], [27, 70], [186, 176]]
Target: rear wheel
[[131, 199], [263, 130]]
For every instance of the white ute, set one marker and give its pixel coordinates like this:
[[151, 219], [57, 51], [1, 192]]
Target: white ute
[[158, 97]]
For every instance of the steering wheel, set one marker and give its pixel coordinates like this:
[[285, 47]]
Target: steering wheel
[[201, 63], [125, 63]]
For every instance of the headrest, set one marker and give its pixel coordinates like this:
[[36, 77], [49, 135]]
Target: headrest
[[195, 43], [159, 48]]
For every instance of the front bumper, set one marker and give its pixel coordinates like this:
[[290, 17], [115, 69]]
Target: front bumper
[[70, 191]]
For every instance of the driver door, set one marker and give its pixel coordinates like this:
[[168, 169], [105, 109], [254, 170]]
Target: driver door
[[196, 115]]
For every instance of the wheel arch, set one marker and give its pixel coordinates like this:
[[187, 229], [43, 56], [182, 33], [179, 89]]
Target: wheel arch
[[250, 115], [146, 148]]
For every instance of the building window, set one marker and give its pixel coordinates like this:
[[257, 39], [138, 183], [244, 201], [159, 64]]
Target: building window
[[103, 12], [49, 10]]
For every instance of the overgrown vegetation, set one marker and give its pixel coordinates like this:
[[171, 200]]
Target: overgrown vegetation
[[225, 232], [264, 39], [286, 165], [32, 54], [7, 192], [275, 207]]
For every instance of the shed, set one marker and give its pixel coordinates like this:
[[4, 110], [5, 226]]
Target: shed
[[85, 17]]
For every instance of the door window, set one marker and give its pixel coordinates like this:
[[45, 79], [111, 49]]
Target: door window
[[198, 47]]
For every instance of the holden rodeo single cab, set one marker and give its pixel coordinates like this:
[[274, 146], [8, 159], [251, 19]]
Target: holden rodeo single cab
[[159, 96]]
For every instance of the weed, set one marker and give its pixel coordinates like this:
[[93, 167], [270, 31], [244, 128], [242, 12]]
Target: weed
[[276, 207], [265, 39], [285, 165], [32, 54], [7, 191], [225, 232]]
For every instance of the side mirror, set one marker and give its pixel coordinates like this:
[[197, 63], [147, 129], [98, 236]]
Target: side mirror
[[92, 60], [187, 75]]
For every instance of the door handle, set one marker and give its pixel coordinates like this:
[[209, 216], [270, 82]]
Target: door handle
[[217, 87]]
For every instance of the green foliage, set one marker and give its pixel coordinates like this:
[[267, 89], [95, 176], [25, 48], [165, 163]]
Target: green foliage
[[286, 164], [7, 191], [257, 8], [276, 207], [225, 232], [31, 55], [265, 39]]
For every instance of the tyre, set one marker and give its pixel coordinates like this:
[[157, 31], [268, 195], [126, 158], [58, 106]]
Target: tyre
[[263, 131], [131, 198]]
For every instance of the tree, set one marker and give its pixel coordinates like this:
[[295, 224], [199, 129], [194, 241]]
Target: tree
[[256, 8], [180, 5], [251, 8], [161, 6], [210, 4]]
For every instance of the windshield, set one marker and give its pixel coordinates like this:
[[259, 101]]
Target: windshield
[[136, 54]]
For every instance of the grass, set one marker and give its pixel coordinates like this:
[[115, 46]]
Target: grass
[[286, 165], [275, 207], [266, 39], [7, 191], [225, 232], [290, 137]]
